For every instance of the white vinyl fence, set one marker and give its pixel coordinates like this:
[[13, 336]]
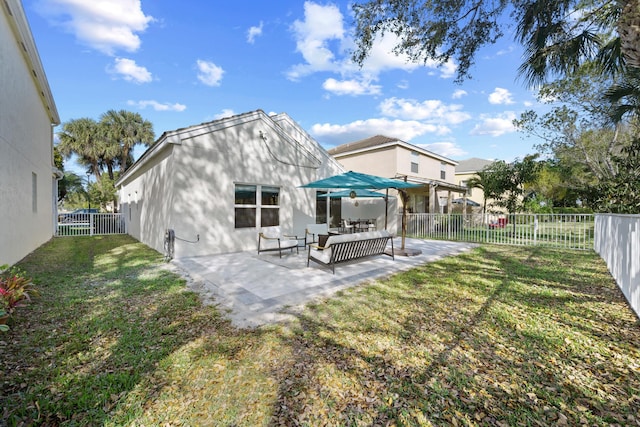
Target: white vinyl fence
[[571, 231], [618, 243], [90, 224]]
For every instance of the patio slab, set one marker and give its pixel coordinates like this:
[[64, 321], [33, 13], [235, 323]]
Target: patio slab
[[260, 289]]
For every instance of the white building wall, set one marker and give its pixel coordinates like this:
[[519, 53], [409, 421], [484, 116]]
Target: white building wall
[[26, 189], [147, 200], [191, 187]]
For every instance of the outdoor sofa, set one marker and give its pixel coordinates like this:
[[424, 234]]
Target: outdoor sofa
[[341, 248]]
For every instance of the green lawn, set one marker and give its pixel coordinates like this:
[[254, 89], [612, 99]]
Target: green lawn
[[498, 336]]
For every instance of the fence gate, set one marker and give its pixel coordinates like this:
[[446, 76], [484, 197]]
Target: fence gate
[[90, 224], [571, 231]]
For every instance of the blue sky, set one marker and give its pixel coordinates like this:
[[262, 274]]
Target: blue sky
[[183, 63]]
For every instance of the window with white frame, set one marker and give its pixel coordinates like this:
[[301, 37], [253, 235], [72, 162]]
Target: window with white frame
[[466, 184], [415, 161], [443, 170], [256, 206]]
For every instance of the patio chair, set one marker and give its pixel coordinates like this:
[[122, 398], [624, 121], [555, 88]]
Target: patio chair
[[312, 232], [272, 239], [347, 226]]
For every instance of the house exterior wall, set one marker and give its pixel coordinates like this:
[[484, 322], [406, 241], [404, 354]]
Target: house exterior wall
[[147, 200], [474, 194], [397, 159], [428, 167], [190, 187], [26, 142], [382, 162]]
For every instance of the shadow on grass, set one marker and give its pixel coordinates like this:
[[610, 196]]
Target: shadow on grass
[[104, 321], [471, 344], [490, 337]]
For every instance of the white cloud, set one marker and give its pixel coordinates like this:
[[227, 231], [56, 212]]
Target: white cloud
[[130, 71], [459, 93], [405, 130], [104, 25], [495, 126], [157, 106], [325, 46], [403, 84], [209, 73], [227, 112], [350, 87], [381, 58], [432, 110], [500, 96], [447, 149], [254, 32], [321, 25]]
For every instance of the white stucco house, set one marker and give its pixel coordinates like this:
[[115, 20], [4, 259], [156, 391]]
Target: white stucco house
[[219, 182], [28, 178]]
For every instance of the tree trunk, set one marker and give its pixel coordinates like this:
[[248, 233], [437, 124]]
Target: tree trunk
[[629, 31]]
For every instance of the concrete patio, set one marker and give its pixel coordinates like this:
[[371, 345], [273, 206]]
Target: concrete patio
[[260, 289]]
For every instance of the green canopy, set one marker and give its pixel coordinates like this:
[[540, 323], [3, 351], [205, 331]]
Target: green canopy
[[356, 180], [358, 193]]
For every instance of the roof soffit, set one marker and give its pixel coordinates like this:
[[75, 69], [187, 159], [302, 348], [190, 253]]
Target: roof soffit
[[14, 13]]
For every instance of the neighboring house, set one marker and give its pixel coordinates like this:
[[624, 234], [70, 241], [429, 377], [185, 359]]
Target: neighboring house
[[28, 179], [390, 158], [217, 183], [467, 169]]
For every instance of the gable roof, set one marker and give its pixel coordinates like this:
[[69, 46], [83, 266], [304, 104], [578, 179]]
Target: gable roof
[[274, 123], [382, 141], [361, 144], [473, 164]]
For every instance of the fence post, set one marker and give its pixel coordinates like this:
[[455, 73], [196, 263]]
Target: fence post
[[535, 229]]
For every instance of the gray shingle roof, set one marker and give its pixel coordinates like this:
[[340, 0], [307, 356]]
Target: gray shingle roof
[[473, 164], [361, 144]]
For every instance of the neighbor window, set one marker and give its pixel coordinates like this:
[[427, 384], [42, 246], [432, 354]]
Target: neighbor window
[[443, 170], [415, 157], [465, 184], [254, 211]]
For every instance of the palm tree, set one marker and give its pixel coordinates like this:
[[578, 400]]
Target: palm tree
[[125, 130], [84, 138], [629, 31]]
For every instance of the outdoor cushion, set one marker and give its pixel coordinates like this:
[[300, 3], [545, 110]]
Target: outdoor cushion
[[272, 239], [323, 254]]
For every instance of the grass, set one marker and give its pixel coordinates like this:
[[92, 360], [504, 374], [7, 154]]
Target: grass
[[498, 336]]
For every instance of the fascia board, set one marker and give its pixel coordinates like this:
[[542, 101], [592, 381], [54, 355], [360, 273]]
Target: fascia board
[[20, 27], [401, 144]]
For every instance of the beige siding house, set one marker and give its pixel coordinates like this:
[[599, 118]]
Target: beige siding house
[[468, 169], [390, 158], [216, 184], [28, 179]]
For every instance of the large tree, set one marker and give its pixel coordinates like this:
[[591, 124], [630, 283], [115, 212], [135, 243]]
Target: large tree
[[489, 183], [124, 130], [105, 145], [584, 132], [509, 182], [83, 137], [558, 35]]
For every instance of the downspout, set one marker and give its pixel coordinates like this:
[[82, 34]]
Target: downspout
[[57, 175]]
